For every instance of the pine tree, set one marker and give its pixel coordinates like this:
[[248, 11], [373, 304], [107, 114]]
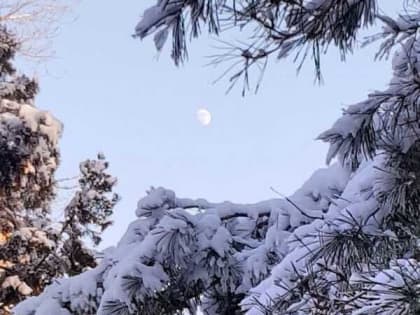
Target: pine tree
[[34, 249], [346, 242]]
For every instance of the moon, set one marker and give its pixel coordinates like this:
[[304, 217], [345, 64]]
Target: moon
[[203, 116]]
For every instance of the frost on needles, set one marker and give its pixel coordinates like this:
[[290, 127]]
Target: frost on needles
[[346, 242]]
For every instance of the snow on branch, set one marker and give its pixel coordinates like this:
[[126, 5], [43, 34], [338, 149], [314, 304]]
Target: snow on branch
[[273, 29], [186, 250]]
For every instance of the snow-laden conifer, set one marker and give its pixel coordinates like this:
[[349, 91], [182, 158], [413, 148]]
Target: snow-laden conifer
[[34, 248]]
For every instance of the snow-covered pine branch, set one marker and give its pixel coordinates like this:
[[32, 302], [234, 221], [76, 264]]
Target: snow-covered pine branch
[[275, 29], [181, 251], [272, 29]]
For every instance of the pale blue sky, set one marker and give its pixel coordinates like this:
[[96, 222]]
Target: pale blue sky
[[114, 95]]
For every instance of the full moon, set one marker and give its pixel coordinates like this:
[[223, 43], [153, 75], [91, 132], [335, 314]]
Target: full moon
[[204, 116]]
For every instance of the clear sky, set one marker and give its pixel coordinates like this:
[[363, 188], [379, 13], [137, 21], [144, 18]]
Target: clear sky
[[116, 95]]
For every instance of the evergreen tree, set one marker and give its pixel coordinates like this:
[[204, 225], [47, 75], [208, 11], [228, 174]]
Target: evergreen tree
[[33, 248], [346, 242]]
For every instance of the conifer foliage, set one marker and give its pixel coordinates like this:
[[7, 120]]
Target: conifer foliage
[[346, 242], [33, 248]]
